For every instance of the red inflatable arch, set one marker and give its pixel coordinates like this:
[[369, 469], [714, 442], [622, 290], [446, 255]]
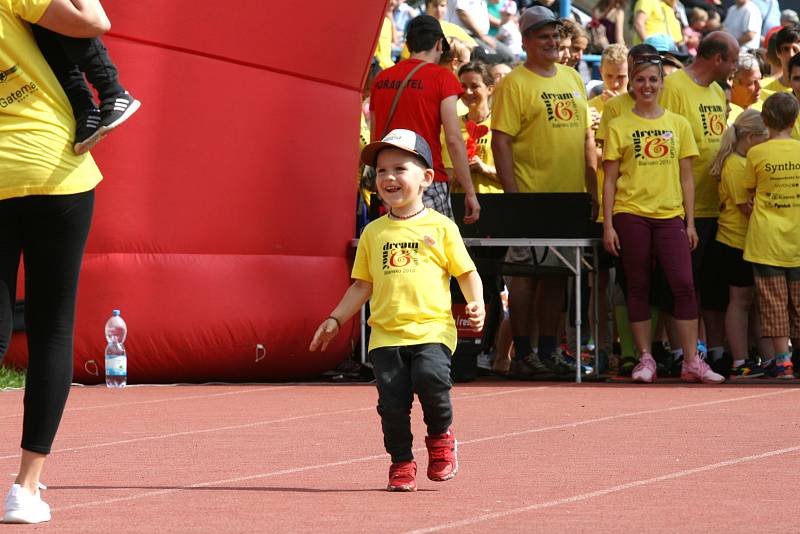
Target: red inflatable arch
[[222, 227]]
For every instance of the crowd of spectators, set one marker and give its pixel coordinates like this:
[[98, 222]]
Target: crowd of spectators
[[702, 273]]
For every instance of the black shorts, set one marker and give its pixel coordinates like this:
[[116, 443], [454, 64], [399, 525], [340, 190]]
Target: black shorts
[[730, 265]]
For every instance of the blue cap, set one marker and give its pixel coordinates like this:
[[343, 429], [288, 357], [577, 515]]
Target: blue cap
[[665, 45], [115, 312]]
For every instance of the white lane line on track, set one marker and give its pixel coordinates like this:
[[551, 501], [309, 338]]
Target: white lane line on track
[[383, 456], [604, 491], [261, 423], [167, 399]]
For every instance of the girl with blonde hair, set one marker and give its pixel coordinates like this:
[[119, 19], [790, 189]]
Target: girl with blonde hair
[[727, 251]]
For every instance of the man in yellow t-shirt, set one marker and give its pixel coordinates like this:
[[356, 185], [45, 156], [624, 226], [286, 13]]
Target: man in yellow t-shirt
[[46, 204], [772, 244], [542, 143], [695, 94]]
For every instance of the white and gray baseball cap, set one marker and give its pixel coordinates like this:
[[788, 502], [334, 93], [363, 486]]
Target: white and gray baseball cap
[[404, 140]]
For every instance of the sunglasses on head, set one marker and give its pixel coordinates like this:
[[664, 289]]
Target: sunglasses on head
[[649, 58]]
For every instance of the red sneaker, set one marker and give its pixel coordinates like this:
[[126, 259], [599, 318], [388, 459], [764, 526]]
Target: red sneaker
[[442, 460], [402, 477]]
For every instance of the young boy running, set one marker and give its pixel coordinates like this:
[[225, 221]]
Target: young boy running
[[403, 266]]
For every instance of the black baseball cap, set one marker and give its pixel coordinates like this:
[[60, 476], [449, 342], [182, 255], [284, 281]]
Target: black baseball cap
[[423, 32]]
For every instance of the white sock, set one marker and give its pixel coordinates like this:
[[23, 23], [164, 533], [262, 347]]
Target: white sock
[[677, 354], [738, 363], [716, 353]]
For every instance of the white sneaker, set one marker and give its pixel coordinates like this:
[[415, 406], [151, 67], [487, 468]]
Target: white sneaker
[[645, 371], [23, 507]]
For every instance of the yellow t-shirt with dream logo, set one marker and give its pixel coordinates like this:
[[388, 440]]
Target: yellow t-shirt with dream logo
[[649, 153], [732, 224], [548, 119], [36, 122], [483, 149], [773, 236], [704, 108], [409, 264]]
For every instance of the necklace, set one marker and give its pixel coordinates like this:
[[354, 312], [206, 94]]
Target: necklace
[[404, 217]]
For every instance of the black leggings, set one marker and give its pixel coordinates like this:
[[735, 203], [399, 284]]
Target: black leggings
[[50, 232]]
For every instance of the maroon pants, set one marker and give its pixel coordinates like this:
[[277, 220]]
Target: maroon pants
[[641, 239]]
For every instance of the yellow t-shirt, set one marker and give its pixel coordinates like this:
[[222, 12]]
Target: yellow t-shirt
[[383, 50], [732, 224], [660, 19], [599, 104], [649, 151], [483, 149], [773, 236], [738, 110], [796, 129], [409, 264], [548, 119], [774, 86], [704, 108], [37, 126]]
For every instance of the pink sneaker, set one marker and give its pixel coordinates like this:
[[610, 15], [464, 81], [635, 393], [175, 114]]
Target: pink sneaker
[[699, 371], [442, 456], [403, 477], [645, 370]]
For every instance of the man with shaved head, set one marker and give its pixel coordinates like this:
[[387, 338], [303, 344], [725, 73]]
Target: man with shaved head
[[695, 93]]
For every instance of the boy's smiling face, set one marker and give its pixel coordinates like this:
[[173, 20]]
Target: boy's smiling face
[[401, 179]]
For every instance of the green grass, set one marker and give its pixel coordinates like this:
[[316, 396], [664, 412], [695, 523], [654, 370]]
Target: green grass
[[11, 378]]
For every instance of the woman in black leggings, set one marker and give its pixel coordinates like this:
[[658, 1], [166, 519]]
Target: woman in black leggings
[[46, 202]]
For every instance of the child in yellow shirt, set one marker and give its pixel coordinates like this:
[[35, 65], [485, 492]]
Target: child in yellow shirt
[[772, 244], [727, 251], [403, 266]]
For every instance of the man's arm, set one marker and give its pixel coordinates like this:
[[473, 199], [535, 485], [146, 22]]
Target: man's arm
[[75, 18], [504, 160], [458, 155]]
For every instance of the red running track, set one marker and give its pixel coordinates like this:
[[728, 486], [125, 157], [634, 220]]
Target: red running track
[[543, 457]]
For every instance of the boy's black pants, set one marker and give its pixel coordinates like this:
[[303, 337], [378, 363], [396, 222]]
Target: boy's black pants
[[402, 371], [50, 233], [70, 58]]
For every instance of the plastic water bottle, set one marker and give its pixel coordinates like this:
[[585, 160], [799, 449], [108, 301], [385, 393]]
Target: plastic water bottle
[[116, 358]]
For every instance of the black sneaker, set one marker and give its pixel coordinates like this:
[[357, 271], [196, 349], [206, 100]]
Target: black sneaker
[[722, 365], [748, 369], [117, 110], [87, 131]]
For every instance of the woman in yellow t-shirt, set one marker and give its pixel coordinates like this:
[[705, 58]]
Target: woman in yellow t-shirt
[[648, 190], [46, 203], [727, 251], [773, 171], [476, 128]]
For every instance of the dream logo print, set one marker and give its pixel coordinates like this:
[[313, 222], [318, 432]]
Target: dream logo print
[[653, 147], [400, 257], [561, 108], [713, 120]]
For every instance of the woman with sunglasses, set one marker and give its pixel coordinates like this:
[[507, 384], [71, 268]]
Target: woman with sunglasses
[[648, 210]]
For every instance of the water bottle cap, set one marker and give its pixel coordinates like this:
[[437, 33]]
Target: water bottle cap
[[115, 312]]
